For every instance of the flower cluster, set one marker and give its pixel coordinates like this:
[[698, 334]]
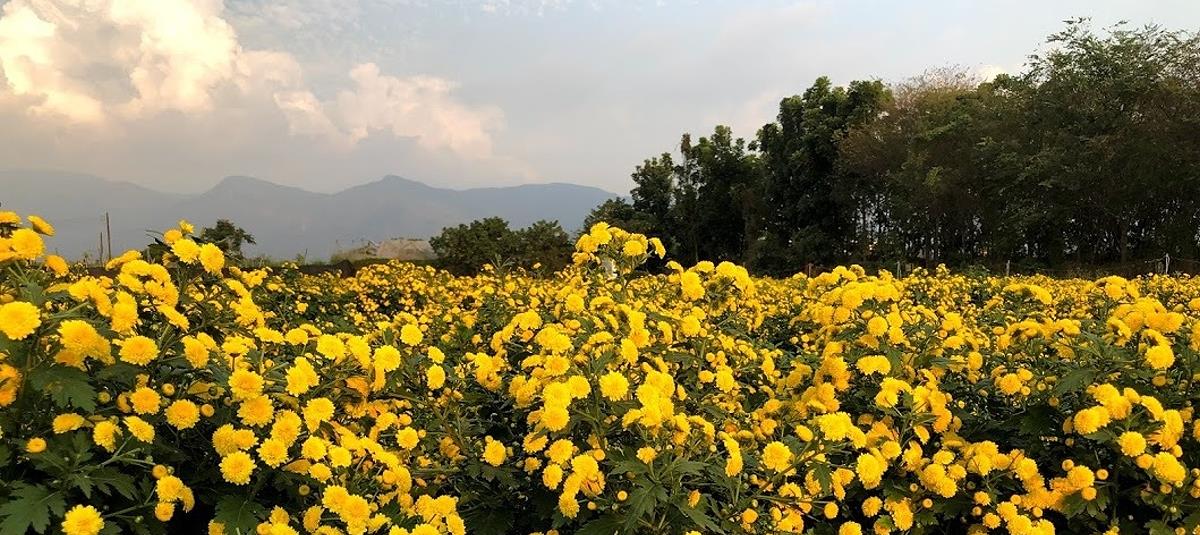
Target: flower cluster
[[182, 390]]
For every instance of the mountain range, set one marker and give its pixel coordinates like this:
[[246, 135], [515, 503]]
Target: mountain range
[[285, 221]]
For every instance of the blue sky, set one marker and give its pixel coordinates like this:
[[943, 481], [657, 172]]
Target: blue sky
[[325, 94]]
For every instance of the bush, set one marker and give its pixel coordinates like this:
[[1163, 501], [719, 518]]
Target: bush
[[407, 400]]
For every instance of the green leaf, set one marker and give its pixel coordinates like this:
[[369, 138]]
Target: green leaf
[[605, 525], [641, 501], [1074, 381], [702, 520], [108, 480], [824, 476], [29, 506], [239, 515], [1158, 527], [689, 467], [1037, 421], [489, 521], [68, 387]]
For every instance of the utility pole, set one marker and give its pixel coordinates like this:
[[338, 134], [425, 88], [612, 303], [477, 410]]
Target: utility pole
[[100, 257], [108, 229]]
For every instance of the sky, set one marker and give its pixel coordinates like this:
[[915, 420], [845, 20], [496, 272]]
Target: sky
[[327, 94]]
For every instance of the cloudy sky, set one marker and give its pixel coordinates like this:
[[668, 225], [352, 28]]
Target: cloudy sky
[[324, 94]]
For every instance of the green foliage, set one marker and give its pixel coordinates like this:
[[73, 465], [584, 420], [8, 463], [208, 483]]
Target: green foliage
[[29, 507], [239, 514], [1087, 157], [68, 387], [464, 249], [228, 236]]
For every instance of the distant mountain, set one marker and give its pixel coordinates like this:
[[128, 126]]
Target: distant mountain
[[286, 221]]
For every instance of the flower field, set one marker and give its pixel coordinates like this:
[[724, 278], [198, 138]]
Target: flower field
[[182, 394]]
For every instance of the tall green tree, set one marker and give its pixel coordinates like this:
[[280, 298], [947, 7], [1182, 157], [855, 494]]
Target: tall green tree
[[812, 211], [1088, 156], [228, 236], [543, 244], [465, 248]]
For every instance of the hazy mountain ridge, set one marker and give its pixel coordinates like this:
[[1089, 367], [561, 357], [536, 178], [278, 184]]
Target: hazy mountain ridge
[[285, 220]]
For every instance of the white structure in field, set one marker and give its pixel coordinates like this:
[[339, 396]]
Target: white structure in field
[[409, 249]]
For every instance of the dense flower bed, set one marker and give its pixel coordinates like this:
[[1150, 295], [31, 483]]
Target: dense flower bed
[[185, 392]]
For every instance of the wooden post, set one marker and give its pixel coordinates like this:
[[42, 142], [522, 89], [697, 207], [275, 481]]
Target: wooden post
[[1007, 266], [108, 229]]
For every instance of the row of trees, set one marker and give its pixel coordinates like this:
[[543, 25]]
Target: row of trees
[[1091, 155]]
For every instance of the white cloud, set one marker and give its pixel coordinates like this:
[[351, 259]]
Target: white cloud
[[118, 62], [988, 73], [419, 107]]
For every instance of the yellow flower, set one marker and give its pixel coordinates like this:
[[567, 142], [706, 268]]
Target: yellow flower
[[171, 236], [733, 465], [273, 452], [435, 377], [164, 511], [1132, 443], [314, 449], [874, 364], [82, 520], [104, 434], [19, 319], [138, 350], [411, 335], [182, 414], [870, 470], [237, 467], [493, 452], [65, 423], [646, 454], [245, 384], [316, 411], [691, 285], [1160, 357], [257, 411], [877, 326], [57, 265], [749, 516], [407, 438], [186, 250], [195, 351], [10, 384], [614, 386], [140, 429], [331, 346], [212, 258], [145, 400], [1090, 420], [35, 445], [777, 456], [26, 244], [41, 226], [634, 248]]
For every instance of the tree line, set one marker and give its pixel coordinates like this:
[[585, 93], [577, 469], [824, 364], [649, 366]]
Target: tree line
[[1089, 156]]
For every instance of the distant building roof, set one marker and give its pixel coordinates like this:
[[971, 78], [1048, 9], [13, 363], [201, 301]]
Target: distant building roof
[[394, 249], [405, 249]]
